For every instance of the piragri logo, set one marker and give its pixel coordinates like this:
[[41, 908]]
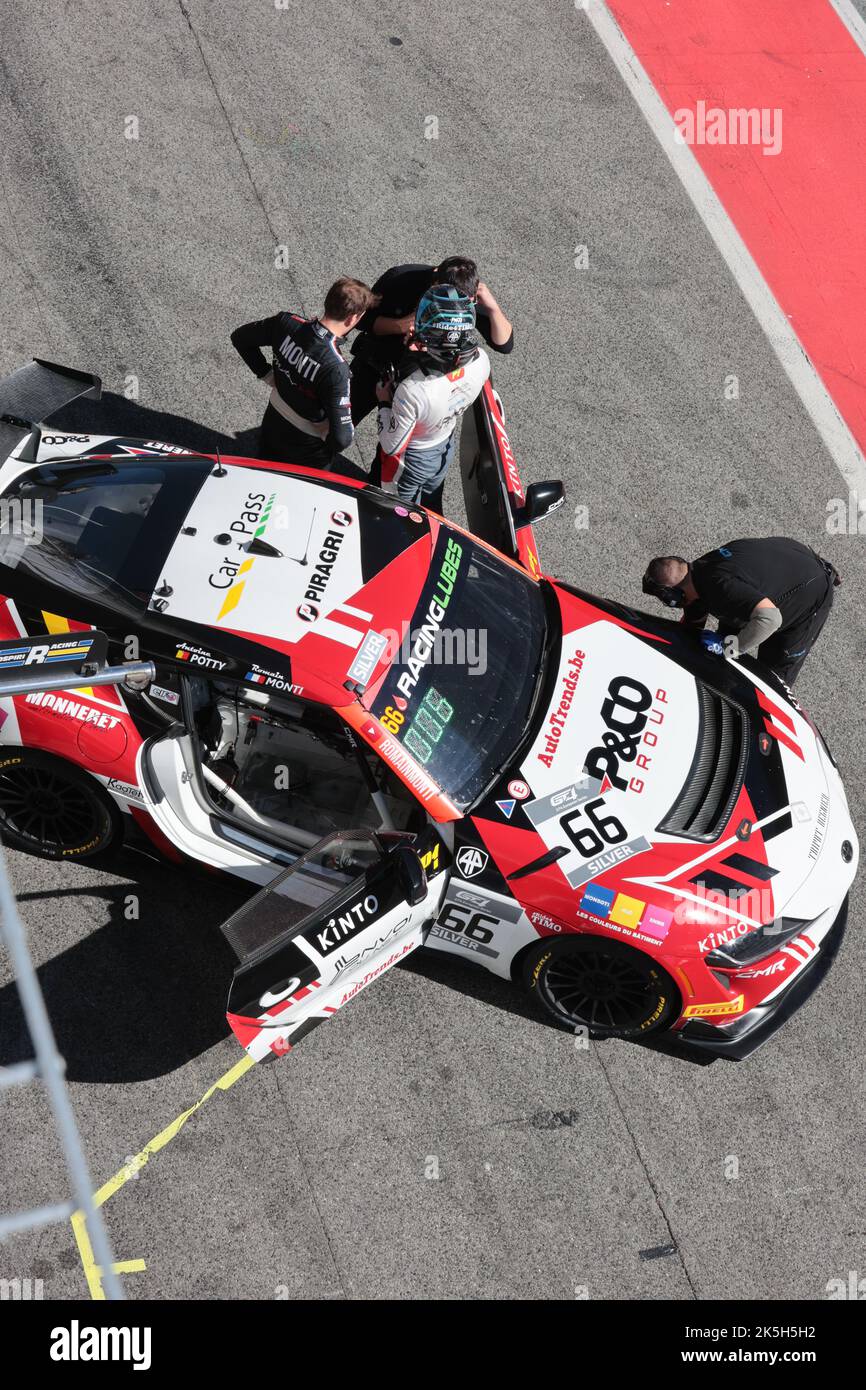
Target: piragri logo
[[736, 125]]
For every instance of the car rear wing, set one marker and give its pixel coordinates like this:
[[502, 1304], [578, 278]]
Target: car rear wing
[[31, 394], [497, 508]]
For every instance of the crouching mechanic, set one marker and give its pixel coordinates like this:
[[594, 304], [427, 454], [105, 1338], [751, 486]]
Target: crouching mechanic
[[771, 597], [418, 417], [308, 418]]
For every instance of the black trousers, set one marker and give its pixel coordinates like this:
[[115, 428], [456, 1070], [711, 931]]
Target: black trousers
[[362, 389], [281, 442], [788, 648]]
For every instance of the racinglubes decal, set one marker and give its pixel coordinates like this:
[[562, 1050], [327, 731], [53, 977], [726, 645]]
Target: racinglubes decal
[[419, 718], [423, 641]]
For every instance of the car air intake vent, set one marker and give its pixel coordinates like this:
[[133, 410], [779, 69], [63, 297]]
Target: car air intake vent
[[704, 805]]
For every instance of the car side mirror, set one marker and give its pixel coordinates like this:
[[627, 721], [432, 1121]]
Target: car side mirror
[[410, 875], [541, 500]]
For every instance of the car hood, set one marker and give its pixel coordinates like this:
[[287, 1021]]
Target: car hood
[[667, 777]]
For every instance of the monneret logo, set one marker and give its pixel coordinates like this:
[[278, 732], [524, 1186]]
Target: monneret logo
[[327, 558], [72, 709], [737, 125], [77, 1343]]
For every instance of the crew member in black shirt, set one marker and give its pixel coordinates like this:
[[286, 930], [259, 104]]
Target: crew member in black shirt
[[308, 418], [384, 331], [771, 597]]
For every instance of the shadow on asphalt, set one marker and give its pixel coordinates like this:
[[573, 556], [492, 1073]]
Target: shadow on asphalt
[[139, 997], [114, 414], [135, 998], [477, 983]]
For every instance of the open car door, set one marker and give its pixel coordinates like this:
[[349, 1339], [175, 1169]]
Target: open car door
[[492, 489], [340, 917]]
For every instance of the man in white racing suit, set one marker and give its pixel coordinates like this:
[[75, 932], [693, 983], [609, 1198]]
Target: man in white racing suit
[[418, 417]]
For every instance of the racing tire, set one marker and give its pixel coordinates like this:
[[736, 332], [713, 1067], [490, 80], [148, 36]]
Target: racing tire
[[51, 808], [605, 986]]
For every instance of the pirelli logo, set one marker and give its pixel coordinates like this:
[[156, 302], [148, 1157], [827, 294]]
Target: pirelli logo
[[721, 1010]]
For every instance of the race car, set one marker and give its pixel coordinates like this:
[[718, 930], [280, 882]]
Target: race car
[[406, 734]]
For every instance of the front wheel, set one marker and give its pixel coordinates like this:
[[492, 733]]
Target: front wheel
[[51, 808], [590, 982]]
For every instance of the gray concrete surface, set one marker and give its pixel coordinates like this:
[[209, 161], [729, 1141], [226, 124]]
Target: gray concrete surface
[[557, 1170]]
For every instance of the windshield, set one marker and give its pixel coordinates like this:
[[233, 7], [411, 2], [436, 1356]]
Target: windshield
[[106, 527], [459, 692]]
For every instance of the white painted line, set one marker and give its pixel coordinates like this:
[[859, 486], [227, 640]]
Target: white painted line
[[797, 366], [853, 21]]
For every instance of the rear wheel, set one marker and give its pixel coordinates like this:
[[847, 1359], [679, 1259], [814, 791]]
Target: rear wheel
[[612, 989], [51, 808]]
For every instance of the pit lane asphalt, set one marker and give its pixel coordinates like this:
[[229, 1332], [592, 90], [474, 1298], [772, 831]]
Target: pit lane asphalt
[[558, 1170]]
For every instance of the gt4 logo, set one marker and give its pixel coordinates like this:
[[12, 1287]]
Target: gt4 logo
[[471, 861]]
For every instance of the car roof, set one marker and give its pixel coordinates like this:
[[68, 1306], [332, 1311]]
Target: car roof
[[294, 575]]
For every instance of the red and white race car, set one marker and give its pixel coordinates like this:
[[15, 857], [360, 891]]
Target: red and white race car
[[407, 735]]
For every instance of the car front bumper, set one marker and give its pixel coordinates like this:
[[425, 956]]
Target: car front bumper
[[742, 1037]]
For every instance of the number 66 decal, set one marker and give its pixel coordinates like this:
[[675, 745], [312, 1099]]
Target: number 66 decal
[[591, 839]]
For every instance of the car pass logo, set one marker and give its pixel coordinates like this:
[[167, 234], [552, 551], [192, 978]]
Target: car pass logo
[[471, 861]]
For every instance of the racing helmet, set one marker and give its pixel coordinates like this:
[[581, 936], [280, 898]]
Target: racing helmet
[[444, 327]]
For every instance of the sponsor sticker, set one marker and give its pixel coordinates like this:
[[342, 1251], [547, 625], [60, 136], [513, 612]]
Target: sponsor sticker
[[597, 899], [594, 868], [199, 656], [720, 1010], [368, 657], [656, 922], [161, 692], [627, 911], [126, 789], [471, 861]]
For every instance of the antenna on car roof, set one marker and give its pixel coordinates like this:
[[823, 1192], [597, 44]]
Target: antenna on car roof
[[219, 471]]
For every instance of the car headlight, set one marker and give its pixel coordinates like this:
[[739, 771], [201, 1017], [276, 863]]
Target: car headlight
[[756, 944]]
